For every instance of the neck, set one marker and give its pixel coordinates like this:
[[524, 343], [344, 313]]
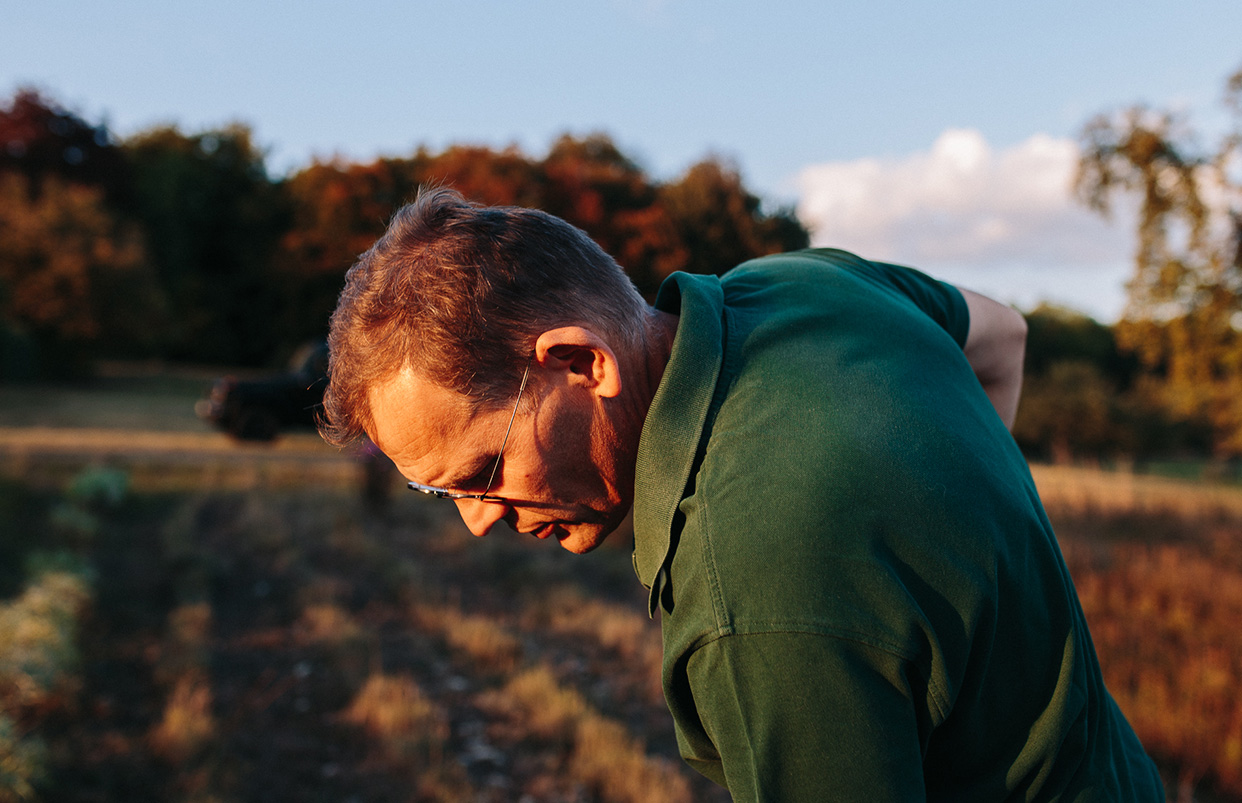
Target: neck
[[646, 370], [643, 368], [661, 332]]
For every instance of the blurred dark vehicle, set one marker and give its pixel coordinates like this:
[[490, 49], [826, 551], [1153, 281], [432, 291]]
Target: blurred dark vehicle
[[259, 409]]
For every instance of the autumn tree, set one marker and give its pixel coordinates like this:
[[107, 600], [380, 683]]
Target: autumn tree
[[223, 263], [498, 177], [652, 229], [337, 210], [1184, 312], [721, 223], [594, 186], [73, 273]]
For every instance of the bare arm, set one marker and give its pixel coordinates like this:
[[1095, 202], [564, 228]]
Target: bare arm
[[995, 349]]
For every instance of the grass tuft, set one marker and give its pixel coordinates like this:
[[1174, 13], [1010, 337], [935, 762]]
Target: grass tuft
[[393, 710], [600, 754], [188, 725]]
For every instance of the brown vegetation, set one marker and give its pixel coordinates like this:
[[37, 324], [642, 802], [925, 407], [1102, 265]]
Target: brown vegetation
[[1158, 567], [259, 634], [232, 627]]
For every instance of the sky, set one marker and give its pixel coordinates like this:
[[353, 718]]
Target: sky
[[941, 135]]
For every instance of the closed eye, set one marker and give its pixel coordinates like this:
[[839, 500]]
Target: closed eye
[[478, 480]]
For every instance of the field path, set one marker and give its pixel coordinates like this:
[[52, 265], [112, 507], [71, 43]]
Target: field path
[[77, 440], [161, 458]]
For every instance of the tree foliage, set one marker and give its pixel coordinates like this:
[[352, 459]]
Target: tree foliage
[[720, 222], [1074, 375], [651, 228], [1086, 398], [591, 184], [39, 137], [223, 263], [68, 267], [72, 266], [1184, 313], [213, 221]]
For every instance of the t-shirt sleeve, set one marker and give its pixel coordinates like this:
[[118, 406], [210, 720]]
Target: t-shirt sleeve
[[805, 717], [940, 301]]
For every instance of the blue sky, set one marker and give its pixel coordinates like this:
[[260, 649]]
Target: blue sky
[[851, 111]]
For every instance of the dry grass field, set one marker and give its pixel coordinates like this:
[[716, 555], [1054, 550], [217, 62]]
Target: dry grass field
[[1158, 567], [184, 619]]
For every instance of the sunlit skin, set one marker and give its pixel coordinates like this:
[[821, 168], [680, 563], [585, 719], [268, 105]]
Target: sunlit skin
[[568, 467]]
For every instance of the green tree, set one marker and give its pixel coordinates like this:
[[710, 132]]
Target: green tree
[[1184, 312], [1068, 412], [1056, 334], [720, 223], [213, 220], [1086, 398], [1074, 374], [39, 137]]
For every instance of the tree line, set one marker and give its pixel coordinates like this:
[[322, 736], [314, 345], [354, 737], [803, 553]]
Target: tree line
[[181, 246]]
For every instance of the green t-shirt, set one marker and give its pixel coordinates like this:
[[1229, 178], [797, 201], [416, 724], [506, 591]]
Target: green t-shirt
[[862, 598]]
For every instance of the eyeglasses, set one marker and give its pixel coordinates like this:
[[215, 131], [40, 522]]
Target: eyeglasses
[[445, 493]]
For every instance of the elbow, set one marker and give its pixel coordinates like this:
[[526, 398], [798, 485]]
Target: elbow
[[1016, 330]]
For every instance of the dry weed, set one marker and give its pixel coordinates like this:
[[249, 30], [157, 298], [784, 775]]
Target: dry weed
[[1164, 621], [351, 649], [188, 725], [22, 763], [610, 761], [601, 754], [635, 638], [1069, 491], [547, 711], [410, 731], [186, 647], [393, 710], [327, 624], [488, 644], [1158, 568]]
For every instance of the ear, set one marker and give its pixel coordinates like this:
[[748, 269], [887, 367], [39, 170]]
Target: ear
[[583, 358]]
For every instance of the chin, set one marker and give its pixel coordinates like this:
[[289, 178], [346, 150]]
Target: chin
[[585, 537], [581, 543]]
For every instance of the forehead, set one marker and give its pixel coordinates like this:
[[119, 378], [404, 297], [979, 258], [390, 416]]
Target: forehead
[[421, 425]]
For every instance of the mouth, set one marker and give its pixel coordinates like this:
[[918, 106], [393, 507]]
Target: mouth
[[544, 531]]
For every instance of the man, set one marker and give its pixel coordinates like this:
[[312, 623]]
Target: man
[[861, 596]]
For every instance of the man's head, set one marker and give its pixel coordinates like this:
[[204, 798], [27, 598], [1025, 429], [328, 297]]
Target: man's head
[[459, 293], [430, 340]]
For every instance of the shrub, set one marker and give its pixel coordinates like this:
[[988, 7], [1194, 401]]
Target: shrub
[[22, 763], [38, 639]]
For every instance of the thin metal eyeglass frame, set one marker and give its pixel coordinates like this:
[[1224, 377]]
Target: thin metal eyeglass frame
[[445, 493]]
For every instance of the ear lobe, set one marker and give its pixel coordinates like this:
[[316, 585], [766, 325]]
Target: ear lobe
[[584, 357]]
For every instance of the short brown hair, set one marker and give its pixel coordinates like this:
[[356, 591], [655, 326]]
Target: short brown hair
[[460, 292]]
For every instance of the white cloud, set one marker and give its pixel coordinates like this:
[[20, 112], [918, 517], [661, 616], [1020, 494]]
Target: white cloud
[[1003, 222]]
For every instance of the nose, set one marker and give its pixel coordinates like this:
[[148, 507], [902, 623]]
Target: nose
[[479, 516]]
